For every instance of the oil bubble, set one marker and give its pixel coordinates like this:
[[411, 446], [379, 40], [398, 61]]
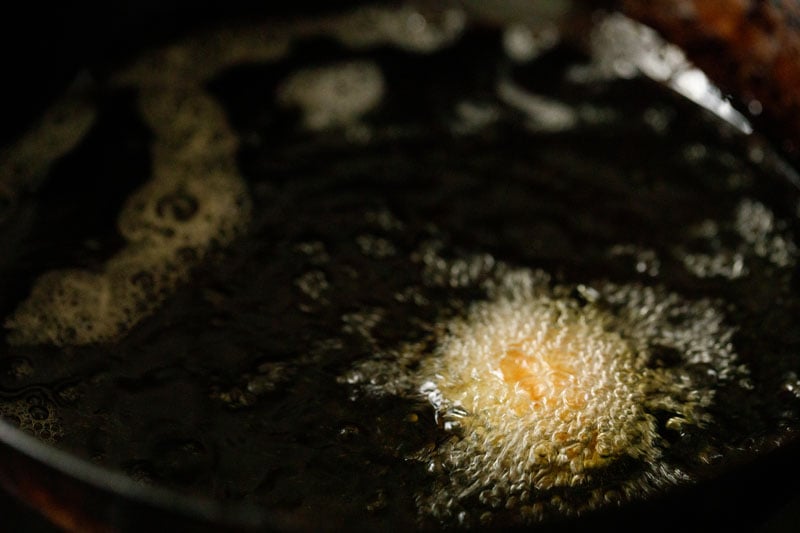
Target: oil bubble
[[545, 387], [334, 96], [36, 415]]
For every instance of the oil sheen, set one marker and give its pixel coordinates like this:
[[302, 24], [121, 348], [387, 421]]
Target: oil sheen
[[401, 267]]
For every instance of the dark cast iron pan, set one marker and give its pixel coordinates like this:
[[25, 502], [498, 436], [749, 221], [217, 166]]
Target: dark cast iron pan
[[42, 51]]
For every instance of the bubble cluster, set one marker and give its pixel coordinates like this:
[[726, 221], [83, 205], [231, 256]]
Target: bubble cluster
[[545, 390], [757, 234], [406, 27], [34, 415], [375, 247], [201, 56], [333, 95], [542, 113], [267, 378], [314, 252], [363, 323], [555, 399], [196, 199], [314, 284], [523, 43], [545, 370], [765, 235]]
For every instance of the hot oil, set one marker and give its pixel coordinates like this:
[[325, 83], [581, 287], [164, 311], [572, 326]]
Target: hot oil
[[393, 335]]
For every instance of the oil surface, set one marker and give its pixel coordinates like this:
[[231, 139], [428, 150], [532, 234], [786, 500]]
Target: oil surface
[[449, 187]]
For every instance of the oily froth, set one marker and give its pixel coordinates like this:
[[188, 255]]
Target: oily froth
[[196, 198], [194, 201], [552, 395], [547, 370], [548, 388]]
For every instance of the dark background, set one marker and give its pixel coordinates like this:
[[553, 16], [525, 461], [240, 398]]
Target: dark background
[[20, 518]]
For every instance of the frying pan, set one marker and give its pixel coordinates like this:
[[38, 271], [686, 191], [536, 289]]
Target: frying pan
[[76, 495]]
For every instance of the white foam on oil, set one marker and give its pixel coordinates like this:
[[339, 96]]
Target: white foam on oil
[[195, 199], [542, 113], [544, 371], [34, 415], [760, 236], [764, 234], [334, 95], [523, 43], [200, 57], [545, 389], [408, 27]]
